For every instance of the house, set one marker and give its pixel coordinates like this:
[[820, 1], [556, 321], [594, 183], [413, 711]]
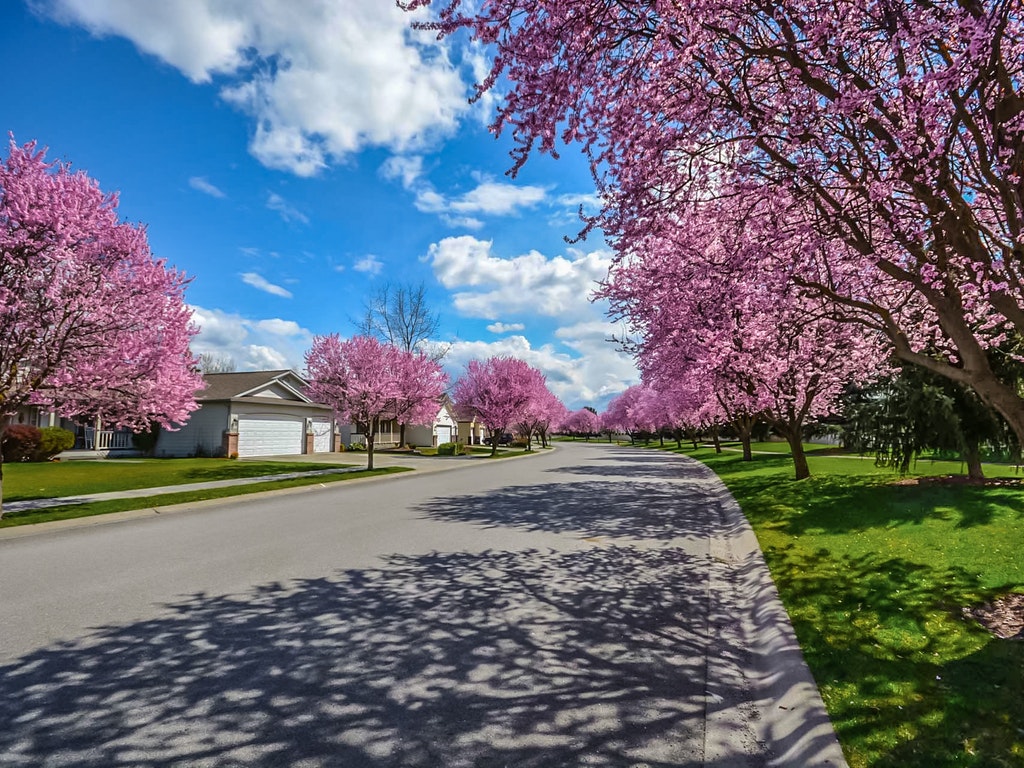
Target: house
[[443, 430], [255, 413], [470, 430]]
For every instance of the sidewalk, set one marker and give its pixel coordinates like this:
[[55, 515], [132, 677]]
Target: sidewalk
[[137, 493], [384, 459]]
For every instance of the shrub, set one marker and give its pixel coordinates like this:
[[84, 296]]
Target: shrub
[[53, 440], [20, 442], [520, 443], [356, 447], [451, 449], [146, 441]]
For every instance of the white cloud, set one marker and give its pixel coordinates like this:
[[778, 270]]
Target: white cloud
[[590, 380], [321, 79], [489, 198], [590, 201], [407, 169], [254, 344], [369, 264], [505, 327], [288, 212], [530, 283], [278, 327], [200, 183], [260, 283]]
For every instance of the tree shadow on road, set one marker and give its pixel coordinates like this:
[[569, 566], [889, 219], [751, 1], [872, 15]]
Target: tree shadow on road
[[632, 510], [591, 658]]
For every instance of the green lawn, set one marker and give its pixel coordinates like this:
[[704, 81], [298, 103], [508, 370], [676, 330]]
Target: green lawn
[[44, 480], [71, 511], [875, 574]]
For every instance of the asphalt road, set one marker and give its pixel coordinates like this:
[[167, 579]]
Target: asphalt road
[[591, 606]]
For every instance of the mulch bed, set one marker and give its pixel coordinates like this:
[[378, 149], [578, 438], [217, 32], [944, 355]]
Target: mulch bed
[[1012, 482], [1003, 617]]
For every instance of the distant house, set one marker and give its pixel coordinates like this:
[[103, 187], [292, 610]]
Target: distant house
[[443, 430], [255, 413], [470, 430]]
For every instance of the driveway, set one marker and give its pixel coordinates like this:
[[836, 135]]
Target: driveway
[[591, 606]]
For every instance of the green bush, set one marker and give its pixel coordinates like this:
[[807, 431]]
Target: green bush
[[53, 440], [20, 442], [146, 441], [451, 449]]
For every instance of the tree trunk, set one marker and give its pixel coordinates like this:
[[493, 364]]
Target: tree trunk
[[744, 426], [369, 451], [1, 485], [972, 456], [715, 440], [796, 447], [494, 444], [401, 435]]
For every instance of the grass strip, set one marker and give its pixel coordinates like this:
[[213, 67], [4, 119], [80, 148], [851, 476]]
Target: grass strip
[[47, 480], [72, 511], [875, 572]]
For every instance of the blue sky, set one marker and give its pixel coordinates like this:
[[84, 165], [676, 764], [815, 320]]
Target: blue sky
[[294, 157]]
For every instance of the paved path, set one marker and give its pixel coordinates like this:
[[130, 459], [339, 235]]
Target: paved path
[[594, 606]]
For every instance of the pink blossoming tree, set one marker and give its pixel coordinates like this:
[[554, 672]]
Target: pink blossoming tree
[[91, 325], [897, 127], [583, 423], [498, 391], [367, 382]]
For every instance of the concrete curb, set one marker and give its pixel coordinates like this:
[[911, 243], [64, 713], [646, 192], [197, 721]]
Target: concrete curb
[[786, 713]]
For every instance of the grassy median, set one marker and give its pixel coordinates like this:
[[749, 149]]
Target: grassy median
[[879, 574]]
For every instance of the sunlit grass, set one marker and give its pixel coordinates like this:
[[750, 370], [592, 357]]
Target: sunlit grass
[[44, 480], [90, 509]]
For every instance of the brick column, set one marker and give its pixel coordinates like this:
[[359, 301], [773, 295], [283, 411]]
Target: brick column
[[230, 444]]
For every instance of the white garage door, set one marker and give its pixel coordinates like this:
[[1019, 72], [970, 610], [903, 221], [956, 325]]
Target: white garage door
[[270, 437], [321, 435], [443, 433]]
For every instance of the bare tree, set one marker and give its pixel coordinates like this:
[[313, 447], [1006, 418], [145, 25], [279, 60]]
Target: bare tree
[[400, 315], [211, 363]]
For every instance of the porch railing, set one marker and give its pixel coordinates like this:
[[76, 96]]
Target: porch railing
[[106, 439]]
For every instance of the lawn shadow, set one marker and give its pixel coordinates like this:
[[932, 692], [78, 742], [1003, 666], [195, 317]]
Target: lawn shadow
[[837, 504], [593, 658], [887, 641]]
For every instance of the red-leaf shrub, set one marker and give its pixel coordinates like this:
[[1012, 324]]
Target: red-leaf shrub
[[20, 442]]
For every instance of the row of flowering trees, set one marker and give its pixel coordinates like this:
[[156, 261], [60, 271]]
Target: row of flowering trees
[[368, 382], [795, 191]]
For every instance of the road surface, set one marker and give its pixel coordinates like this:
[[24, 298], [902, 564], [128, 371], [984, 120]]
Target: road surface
[[591, 606]]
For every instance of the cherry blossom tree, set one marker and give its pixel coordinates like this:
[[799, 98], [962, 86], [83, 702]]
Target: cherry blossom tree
[[583, 422], [498, 391], [553, 413], [91, 325], [625, 413], [367, 382], [897, 127], [543, 409], [421, 383], [739, 320]]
